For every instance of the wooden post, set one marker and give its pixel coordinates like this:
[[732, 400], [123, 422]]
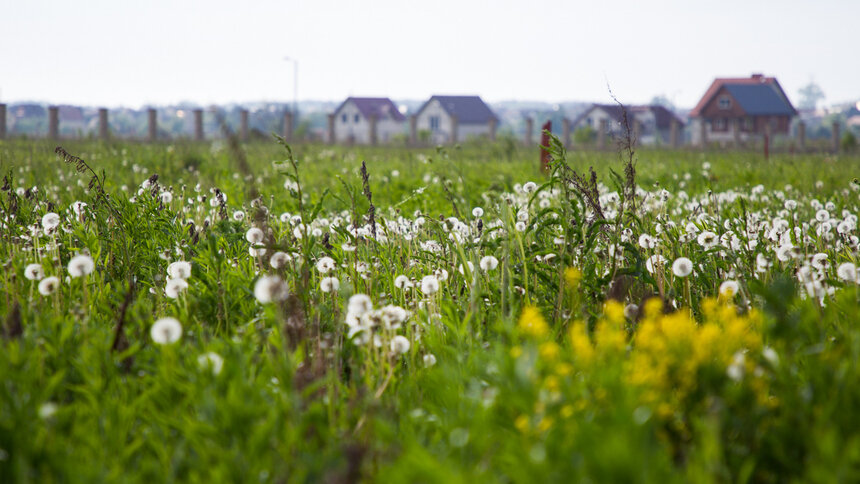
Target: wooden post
[[288, 126], [374, 135], [243, 125], [674, 133], [53, 122], [801, 136], [565, 132], [767, 135], [455, 129], [413, 130], [152, 124], [492, 124], [601, 134], [198, 125], [104, 130], [2, 121], [835, 134], [530, 125]]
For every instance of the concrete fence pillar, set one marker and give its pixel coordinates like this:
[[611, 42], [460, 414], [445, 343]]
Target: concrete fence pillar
[[2, 121], [492, 124], [736, 132], [835, 136], [374, 131], [455, 129], [152, 124], [674, 133], [104, 129], [243, 125], [53, 122], [601, 134], [198, 125], [565, 132], [703, 132], [413, 130], [530, 126], [801, 136], [331, 136], [288, 126]]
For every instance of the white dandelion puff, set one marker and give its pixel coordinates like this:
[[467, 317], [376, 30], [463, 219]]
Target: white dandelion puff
[[329, 284], [729, 288], [429, 360], [270, 289], [50, 221], [477, 212], [174, 287], [166, 331], [402, 282], [254, 235], [48, 285], [682, 267], [34, 272], [399, 345], [179, 270], [429, 284], [847, 272], [80, 265], [488, 263], [325, 264], [211, 361]]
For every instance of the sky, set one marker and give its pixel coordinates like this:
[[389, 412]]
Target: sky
[[133, 53]]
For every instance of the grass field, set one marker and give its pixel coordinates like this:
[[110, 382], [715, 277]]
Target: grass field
[[258, 314]]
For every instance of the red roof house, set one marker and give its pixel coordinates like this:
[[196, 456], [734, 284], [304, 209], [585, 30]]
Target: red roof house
[[736, 109]]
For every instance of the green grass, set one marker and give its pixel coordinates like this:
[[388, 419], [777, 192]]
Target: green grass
[[550, 367]]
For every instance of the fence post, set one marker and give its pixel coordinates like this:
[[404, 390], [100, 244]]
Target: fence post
[[288, 126], [455, 128], [835, 134], [565, 132], [413, 130], [152, 124], [530, 125], [492, 125], [53, 122], [637, 132], [601, 134], [736, 132], [374, 133], [801, 136], [2, 121], [198, 125], [243, 124], [330, 125], [674, 133], [104, 130], [703, 132]]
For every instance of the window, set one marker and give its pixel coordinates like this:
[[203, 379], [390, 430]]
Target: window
[[356, 118], [434, 123], [747, 124], [719, 124], [725, 102], [343, 118]]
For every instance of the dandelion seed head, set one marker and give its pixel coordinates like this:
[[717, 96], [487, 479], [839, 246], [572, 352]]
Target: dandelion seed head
[[254, 235], [174, 287], [399, 345], [279, 259], [429, 285], [34, 272], [179, 270], [211, 361], [50, 221], [48, 285], [488, 263], [271, 289], [329, 284], [325, 265], [682, 267], [166, 331], [80, 265]]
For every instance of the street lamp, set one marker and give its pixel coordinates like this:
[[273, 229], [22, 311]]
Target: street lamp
[[295, 88]]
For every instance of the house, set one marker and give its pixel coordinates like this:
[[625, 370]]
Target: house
[[449, 119], [652, 125], [737, 109], [367, 120]]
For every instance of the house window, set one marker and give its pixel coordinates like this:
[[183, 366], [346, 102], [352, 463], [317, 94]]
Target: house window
[[720, 124], [747, 124], [588, 121], [356, 118], [434, 123], [343, 118], [725, 102]]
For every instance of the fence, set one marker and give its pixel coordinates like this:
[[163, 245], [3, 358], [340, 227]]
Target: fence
[[703, 134]]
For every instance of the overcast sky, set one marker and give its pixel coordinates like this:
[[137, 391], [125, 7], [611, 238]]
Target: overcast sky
[[130, 53]]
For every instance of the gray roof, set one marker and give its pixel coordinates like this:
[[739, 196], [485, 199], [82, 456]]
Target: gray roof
[[468, 109], [382, 107], [760, 100]]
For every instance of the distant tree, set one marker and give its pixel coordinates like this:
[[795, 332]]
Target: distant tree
[[810, 95], [848, 141], [662, 100]]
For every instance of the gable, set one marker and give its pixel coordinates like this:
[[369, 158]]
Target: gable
[[382, 107], [467, 109]]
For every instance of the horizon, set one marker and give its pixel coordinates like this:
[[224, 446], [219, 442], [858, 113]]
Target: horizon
[[178, 54]]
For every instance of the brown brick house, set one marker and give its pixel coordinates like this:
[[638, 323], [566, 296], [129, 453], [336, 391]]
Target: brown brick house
[[737, 109]]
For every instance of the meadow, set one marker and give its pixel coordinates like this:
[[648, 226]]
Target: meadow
[[209, 312]]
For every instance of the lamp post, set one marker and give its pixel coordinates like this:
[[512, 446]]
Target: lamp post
[[295, 88]]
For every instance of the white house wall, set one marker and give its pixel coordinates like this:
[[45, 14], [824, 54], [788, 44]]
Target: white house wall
[[359, 132], [443, 133]]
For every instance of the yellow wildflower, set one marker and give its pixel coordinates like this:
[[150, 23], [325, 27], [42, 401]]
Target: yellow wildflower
[[572, 277], [532, 323], [522, 423], [549, 351], [580, 342]]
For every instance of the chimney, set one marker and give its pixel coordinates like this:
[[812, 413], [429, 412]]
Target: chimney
[[757, 76]]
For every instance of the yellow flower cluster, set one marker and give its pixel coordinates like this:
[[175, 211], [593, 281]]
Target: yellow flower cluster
[[672, 354], [532, 323]]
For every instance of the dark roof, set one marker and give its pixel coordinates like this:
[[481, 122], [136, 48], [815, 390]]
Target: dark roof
[[754, 80], [662, 116], [760, 100], [382, 107], [468, 109]]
